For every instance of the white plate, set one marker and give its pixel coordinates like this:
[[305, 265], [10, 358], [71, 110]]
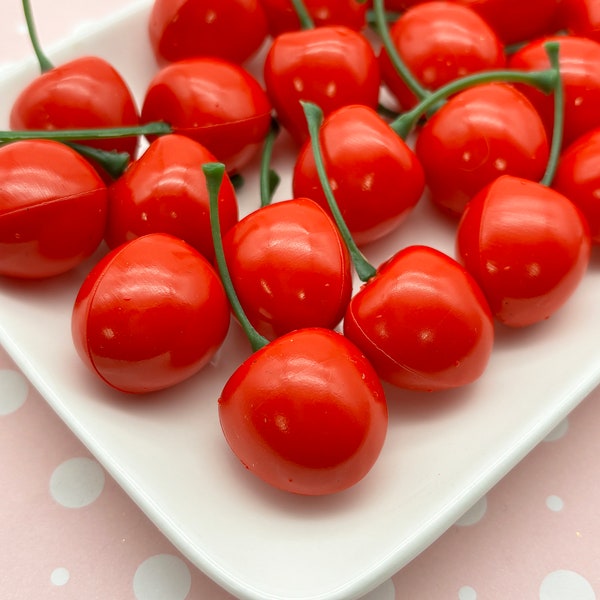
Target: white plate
[[442, 454]]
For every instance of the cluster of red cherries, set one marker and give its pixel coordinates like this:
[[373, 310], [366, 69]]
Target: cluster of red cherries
[[500, 102]]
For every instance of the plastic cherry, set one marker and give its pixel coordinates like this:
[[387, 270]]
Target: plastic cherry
[[306, 412]]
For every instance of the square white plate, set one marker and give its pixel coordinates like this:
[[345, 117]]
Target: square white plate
[[442, 454]]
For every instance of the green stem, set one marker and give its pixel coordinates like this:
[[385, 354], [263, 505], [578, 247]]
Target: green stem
[[306, 21], [214, 173], [314, 118], [409, 79], [544, 80], [269, 179], [553, 49], [390, 17], [62, 135], [43, 60], [114, 163]]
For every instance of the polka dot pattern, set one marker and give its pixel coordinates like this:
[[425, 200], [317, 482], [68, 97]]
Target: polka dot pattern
[[69, 522], [60, 576], [558, 432], [554, 503], [467, 593], [77, 482], [566, 585], [474, 514], [14, 389], [162, 576]]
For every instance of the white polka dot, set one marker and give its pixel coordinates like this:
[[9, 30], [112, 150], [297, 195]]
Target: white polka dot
[[60, 576], [386, 591], [467, 593], [77, 482], [162, 576], [474, 514], [555, 503], [558, 432], [14, 388], [566, 585]]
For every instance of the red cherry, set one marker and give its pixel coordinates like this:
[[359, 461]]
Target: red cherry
[[150, 314]]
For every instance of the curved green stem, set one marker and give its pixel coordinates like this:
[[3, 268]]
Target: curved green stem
[[306, 21], [314, 118], [99, 133], [43, 60], [382, 28], [553, 49], [269, 179], [214, 173], [114, 163], [544, 80]]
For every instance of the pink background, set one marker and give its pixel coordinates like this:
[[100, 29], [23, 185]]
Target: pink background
[[69, 532]]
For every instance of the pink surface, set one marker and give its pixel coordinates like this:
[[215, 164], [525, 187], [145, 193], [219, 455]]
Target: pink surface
[[69, 532]]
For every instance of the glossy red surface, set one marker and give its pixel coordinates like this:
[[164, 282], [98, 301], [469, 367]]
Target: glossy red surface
[[84, 93], [582, 18], [376, 178], [282, 17], [578, 178], [438, 42], [230, 29], [516, 21], [213, 101], [53, 207], [422, 321], [290, 267], [149, 315], [478, 135], [579, 60], [306, 413], [329, 66], [528, 247], [165, 191]]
